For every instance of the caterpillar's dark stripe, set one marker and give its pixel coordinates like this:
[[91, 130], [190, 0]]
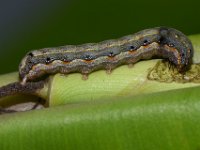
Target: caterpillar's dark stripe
[[162, 42]]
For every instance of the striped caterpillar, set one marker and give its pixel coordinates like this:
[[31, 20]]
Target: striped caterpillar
[[159, 42]]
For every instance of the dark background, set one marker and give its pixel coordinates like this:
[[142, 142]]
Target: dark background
[[33, 24]]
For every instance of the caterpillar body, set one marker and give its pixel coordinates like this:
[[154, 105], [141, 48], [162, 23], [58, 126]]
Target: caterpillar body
[[160, 42]]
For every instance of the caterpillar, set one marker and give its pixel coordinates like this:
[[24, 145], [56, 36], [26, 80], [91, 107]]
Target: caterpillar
[[158, 42]]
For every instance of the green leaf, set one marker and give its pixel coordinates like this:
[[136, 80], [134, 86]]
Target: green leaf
[[166, 120]]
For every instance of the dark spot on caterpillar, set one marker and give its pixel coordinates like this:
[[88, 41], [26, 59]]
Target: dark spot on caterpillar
[[88, 57], [49, 60], [162, 40], [146, 42], [64, 59], [132, 48], [163, 36], [30, 54], [111, 54]]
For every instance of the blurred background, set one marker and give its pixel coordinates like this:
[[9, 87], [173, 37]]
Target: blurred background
[[33, 24]]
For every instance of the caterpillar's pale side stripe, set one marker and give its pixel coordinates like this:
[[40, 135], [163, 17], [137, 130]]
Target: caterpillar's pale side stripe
[[160, 42]]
